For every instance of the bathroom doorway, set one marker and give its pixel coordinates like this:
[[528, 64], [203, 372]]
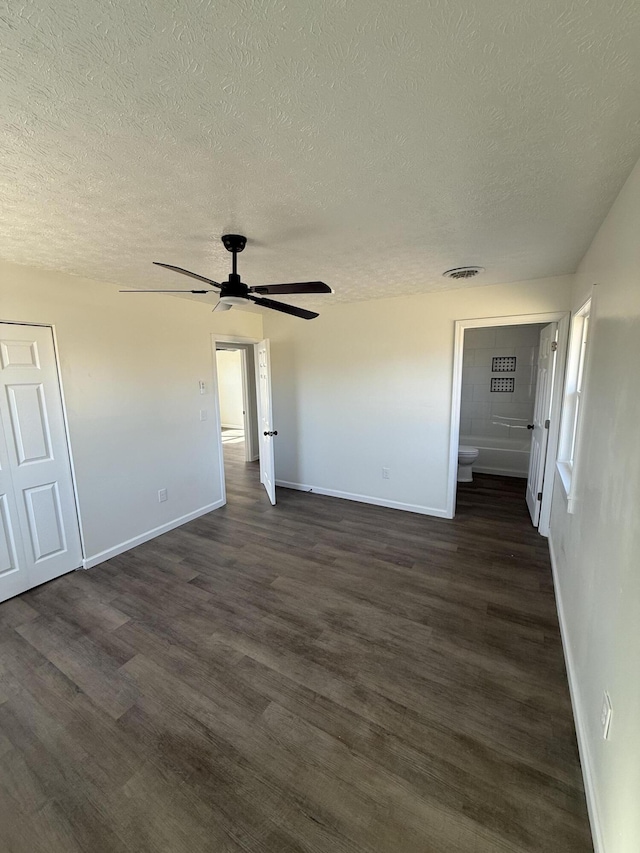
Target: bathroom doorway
[[506, 402], [499, 373]]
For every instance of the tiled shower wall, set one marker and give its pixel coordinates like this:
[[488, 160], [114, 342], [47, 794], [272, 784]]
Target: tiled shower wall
[[498, 414]]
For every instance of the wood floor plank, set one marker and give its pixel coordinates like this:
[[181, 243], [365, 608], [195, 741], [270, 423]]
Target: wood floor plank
[[317, 676]]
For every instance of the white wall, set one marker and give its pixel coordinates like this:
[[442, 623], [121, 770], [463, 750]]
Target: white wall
[[130, 368], [230, 388], [368, 385], [499, 415], [597, 548]]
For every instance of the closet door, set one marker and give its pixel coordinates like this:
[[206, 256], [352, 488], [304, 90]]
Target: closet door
[[13, 566], [39, 536]]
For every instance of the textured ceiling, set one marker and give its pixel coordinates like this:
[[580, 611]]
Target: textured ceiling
[[369, 144]]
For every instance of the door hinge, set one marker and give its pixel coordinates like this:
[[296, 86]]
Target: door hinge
[[539, 496], [546, 424], [554, 346]]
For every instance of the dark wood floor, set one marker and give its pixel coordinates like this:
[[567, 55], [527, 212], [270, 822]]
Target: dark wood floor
[[319, 676]]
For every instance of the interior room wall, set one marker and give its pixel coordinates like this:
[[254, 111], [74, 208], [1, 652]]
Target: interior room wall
[[498, 415], [596, 548], [130, 366], [368, 385], [229, 364]]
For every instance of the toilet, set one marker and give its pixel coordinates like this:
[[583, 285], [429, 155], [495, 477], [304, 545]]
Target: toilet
[[466, 457]]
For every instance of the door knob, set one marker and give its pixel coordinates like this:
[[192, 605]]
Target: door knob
[[271, 432], [531, 426]]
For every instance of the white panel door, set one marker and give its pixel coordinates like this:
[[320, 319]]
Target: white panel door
[[266, 431], [39, 537], [542, 409], [14, 577]]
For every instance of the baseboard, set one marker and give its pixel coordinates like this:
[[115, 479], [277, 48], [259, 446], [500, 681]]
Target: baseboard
[[364, 499], [103, 556], [583, 744], [498, 472], [232, 426]]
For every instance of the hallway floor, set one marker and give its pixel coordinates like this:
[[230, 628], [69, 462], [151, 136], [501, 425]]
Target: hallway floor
[[317, 676]]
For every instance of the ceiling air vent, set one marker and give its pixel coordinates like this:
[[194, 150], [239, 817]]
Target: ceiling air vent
[[463, 272]]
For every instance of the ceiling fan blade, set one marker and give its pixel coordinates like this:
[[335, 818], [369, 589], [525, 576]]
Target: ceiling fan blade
[[286, 309], [187, 272], [165, 291], [297, 287]]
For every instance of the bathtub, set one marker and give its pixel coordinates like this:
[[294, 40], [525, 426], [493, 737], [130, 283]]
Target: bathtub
[[506, 456]]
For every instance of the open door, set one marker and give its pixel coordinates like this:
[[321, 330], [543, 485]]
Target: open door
[[266, 431], [540, 425]]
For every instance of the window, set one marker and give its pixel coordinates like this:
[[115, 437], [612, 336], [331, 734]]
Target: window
[[573, 396]]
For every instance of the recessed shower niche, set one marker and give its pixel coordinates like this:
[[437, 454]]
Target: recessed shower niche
[[503, 364], [503, 383]]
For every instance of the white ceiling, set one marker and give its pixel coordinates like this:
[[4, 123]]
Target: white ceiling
[[369, 144]]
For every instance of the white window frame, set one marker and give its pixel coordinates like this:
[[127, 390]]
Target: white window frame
[[573, 402]]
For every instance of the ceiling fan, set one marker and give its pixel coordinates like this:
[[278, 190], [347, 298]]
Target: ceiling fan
[[236, 292]]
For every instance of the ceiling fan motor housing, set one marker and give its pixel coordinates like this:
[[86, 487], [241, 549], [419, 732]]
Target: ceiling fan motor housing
[[234, 287]]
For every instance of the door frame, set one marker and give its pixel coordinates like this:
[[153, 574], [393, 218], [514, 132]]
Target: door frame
[[220, 341], [562, 318], [65, 421]]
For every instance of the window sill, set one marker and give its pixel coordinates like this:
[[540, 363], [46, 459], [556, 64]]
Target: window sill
[[565, 470]]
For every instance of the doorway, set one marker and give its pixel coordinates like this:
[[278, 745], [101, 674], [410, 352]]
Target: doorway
[[237, 395], [237, 412], [506, 401], [254, 439]]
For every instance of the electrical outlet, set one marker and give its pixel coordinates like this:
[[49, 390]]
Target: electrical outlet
[[605, 715], [162, 496], [385, 474]]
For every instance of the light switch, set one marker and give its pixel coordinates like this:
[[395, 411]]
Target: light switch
[[203, 414], [203, 387]]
